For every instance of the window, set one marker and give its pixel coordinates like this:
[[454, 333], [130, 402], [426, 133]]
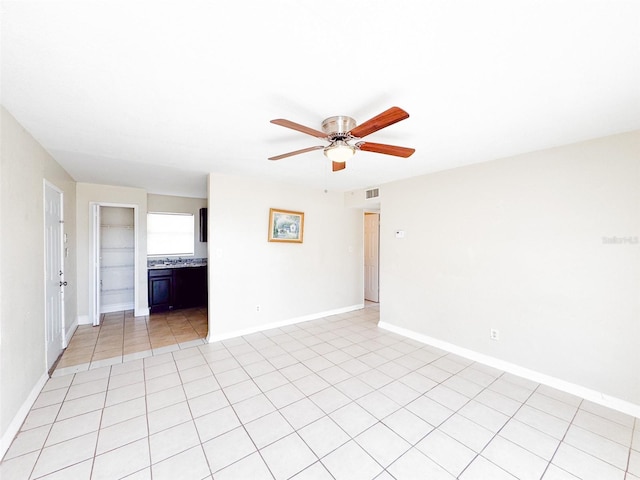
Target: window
[[170, 234]]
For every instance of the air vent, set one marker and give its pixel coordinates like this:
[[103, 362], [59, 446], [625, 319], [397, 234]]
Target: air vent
[[372, 193]]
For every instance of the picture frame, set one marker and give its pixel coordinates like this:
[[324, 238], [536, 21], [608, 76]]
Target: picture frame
[[286, 226]]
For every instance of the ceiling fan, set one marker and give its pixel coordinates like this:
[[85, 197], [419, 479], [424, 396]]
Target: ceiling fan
[[344, 137]]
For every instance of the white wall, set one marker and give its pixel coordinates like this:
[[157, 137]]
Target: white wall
[[86, 193], [24, 165], [324, 274], [517, 245], [172, 204]]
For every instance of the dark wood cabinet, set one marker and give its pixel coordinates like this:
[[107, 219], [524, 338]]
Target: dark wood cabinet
[[160, 289], [190, 287], [173, 288]]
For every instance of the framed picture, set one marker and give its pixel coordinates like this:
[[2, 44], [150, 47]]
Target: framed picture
[[285, 226]]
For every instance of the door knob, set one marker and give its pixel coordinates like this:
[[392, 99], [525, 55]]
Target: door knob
[[63, 284]]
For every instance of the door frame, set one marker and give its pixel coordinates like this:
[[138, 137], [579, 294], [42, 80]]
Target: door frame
[[94, 257], [63, 337]]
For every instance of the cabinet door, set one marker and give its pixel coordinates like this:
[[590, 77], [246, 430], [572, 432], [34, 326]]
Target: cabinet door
[[202, 287], [160, 290], [190, 287]]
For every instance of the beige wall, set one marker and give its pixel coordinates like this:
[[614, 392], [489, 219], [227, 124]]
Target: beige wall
[[24, 167], [287, 281], [173, 204], [88, 193], [517, 245]]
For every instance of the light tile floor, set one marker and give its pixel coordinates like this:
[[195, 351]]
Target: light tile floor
[[122, 337], [336, 398]]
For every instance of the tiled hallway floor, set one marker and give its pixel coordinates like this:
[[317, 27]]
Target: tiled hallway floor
[[335, 398], [122, 337]]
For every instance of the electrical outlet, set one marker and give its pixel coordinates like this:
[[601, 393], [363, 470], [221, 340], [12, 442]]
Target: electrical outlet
[[494, 334], [257, 308]]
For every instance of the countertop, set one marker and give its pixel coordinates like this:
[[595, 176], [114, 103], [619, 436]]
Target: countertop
[[176, 265]]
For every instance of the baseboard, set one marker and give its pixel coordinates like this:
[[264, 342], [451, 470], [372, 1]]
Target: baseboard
[[568, 387], [21, 415], [139, 312], [260, 328], [69, 333], [116, 307]]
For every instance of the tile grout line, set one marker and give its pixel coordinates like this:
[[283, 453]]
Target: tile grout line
[[633, 430], [497, 433], [44, 444], [146, 409], [295, 430], [585, 428], [193, 419], [242, 424], [104, 406], [378, 421], [563, 438], [401, 406]]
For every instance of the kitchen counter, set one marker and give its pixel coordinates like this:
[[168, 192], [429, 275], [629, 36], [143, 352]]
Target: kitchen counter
[[177, 262], [175, 265]]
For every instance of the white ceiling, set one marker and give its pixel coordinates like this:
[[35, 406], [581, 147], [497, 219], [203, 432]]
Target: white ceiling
[[156, 94]]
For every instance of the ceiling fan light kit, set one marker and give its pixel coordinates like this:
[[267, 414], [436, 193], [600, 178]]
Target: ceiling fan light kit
[[339, 151], [340, 130]]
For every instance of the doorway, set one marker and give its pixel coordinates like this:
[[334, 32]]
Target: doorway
[[372, 256], [54, 273], [114, 259], [117, 247]]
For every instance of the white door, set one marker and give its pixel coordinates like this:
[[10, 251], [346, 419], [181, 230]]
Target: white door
[[96, 261], [371, 256], [54, 281]]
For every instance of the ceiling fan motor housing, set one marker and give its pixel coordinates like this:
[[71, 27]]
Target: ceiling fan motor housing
[[338, 127]]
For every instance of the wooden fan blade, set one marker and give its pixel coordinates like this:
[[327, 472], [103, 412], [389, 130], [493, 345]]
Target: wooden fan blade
[[300, 128], [386, 118], [386, 149], [337, 166], [290, 154]]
